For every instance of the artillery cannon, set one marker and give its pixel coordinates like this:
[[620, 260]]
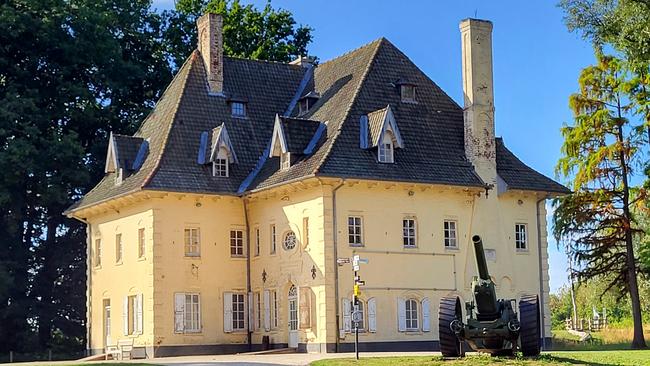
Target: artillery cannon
[[491, 324]]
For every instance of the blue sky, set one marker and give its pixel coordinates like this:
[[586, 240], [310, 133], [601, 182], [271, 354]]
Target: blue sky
[[536, 61]]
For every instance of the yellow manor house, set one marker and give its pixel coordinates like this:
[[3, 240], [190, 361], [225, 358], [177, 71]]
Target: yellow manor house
[[218, 225]]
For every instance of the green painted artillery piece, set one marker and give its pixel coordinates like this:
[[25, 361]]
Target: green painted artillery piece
[[491, 325]]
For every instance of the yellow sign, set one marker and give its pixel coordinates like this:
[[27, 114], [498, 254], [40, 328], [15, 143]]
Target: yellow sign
[[357, 291]]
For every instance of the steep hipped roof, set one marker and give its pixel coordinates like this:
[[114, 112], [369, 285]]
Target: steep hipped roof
[[350, 86]]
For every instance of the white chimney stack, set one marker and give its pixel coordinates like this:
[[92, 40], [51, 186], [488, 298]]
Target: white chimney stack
[[478, 89], [210, 27]]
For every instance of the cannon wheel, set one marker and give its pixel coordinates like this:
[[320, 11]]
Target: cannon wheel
[[530, 325], [449, 311]]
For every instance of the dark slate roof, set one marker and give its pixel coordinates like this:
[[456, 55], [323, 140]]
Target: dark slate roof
[[127, 148], [350, 86], [518, 175], [298, 133]]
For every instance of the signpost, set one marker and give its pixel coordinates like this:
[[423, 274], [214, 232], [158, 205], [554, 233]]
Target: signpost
[[357, 315]]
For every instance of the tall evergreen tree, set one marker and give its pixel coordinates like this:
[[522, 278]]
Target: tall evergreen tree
[[600, 153]]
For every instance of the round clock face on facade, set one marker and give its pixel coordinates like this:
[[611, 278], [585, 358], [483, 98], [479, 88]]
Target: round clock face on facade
[[289, 241]]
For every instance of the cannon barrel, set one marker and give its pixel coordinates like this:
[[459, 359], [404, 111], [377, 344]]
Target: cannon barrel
[[481, 263]]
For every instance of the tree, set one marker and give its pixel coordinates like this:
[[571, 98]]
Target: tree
[[266, 34], [600, 152]]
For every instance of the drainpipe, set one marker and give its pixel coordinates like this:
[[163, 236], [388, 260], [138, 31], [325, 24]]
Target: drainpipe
[[336, 264], [249, 336], [541, 274]]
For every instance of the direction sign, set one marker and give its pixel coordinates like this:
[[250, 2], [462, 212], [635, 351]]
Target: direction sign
[[357, 316]]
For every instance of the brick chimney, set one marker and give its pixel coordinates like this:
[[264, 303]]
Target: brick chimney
[[210, 27], [478, 89]]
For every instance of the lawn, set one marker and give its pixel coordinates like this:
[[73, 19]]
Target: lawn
[[596, 358]]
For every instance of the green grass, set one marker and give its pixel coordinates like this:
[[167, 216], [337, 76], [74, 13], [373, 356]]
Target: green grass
[[595, 358]]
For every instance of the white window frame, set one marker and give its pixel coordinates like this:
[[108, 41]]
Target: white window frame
[[220, 168], [192, 241], [141, 243], [364, 319], [274, 239], [409, 232], [194, 324], [236, 243], [257, 242], [450, 235], [238, 301], [285, 160], [289, 240], [521, 237], [275, 311], [119, 248], [258, 310], [355, 230], [238, 109], [412, 315], [385, 151]]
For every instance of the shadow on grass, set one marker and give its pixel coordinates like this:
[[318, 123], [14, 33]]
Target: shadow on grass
[[572, 361]]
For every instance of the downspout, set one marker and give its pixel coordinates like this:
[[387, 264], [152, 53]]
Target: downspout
[[541, 274], [249, 336], [336, 264]]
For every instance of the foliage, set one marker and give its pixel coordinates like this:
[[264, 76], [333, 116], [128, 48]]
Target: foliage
[[71, 71], [266, 34], [600, 153]]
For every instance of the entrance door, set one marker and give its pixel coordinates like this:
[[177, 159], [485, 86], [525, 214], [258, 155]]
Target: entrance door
[[107, 323], [293, 317]]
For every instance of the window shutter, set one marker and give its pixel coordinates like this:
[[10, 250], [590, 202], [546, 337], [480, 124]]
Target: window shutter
[[372, 315], [125, 315], [179, 312], [139, 306], [363, 132], [249, 305], [401, 314], [304, 310], [227, 312], [267, 310], [426, 326], [347, 317]]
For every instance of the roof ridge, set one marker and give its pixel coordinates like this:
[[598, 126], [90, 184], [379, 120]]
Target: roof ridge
[[326, 155], [273, 62], [188, 63], [378, 40]]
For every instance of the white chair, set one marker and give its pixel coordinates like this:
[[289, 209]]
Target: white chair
[[125, 346]]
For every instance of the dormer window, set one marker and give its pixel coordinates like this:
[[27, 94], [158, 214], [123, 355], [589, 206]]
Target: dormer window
[[216, 149], [407, 92], [238, 109], [307, 102], [285, 160], [303, 106], [385, 149], [220, 168]]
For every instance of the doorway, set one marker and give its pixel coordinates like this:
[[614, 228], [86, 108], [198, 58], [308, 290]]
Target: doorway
[[293, 317]]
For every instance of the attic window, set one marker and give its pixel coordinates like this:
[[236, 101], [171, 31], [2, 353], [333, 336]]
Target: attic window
[[407, 92], [385, 151], [220, 168], [285, 160], [304, 106], [307, 102], [238, 109]]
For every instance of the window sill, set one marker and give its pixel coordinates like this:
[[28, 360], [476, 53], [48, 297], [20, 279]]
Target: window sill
[[192, 333], [522, 251], [99, 266], [119, 263], [410, 247], [142, 259], [356, 245], [192, 257], [239, 257], [455, 249]]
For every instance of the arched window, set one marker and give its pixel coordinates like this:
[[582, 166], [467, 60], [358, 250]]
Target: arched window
[[412, 322], [385, 148], [362, 311], [289, 240]]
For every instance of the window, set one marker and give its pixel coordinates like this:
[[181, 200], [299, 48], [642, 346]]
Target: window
[[130, 316], [408, 93], [236, 243], [274, 309], [385, 152], [303, 106], [451, 239], [220, 168], [98, 252], [273, 239], [409, 230], [411, 315], [289, 241], [118, 248], [361, 308], [192, 314], [354, 231], [238, 109], [192, 242], [238, 312], [141, 243], [257, 242], [521, 236], [305, 231], [258, 311], [285, 160]]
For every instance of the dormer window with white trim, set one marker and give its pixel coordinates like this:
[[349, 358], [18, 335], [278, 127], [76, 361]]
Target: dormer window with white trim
[[238, 109], [220, 163], [407, 92], [285, 160], [216, 149], [379, 130], [385, 152]]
